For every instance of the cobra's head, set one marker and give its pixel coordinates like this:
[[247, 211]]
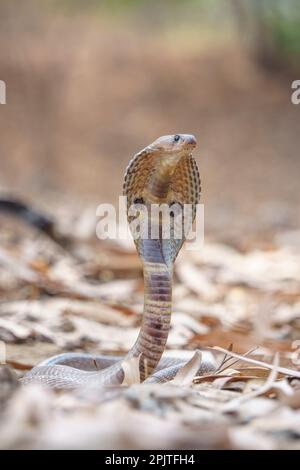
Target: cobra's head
[[163, 173], [178, 144]]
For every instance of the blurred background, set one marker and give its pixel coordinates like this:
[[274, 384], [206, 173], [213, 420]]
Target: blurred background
[[89, 83]]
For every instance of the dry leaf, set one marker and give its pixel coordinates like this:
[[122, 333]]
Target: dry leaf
[[131, 368], [186, 374]]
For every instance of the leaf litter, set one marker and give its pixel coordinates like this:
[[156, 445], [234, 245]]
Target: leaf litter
[[240, 307]]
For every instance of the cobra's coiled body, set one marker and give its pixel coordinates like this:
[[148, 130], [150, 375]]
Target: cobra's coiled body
[[163, 173]]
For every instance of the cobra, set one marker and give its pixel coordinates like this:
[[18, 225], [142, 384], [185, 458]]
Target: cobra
[[164, 172]]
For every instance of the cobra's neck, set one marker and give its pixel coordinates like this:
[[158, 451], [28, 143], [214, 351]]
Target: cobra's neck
[[159, 182], [154, 332]]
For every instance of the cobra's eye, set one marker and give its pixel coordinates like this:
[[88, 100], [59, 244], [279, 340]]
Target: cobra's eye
[[138, 200], [176, 138]]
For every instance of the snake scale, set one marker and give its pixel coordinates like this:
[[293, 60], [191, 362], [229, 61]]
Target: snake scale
[[164, 172]]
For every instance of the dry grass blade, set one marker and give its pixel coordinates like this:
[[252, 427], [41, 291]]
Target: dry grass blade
[[229, 362], [225, 359], [282, 370], [236, 402]]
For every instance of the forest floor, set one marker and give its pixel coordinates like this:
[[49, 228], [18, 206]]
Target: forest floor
[[90, 298], [83, 99]]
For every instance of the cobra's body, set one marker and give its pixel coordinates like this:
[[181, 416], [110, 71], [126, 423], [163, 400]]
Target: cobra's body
[[163, 173]]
